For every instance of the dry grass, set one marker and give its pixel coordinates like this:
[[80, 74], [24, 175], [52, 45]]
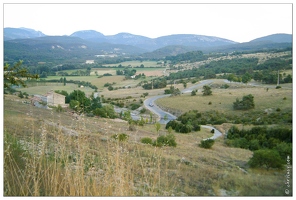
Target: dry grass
[[91, 163], [222, 99], [69, 87]]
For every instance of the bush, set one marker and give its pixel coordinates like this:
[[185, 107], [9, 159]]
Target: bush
[[59, 108], [143, 110], [146, 140], [207, 144], [245, 104], [120, 137], [266, 158], [106, 111], [172, 123], [278, 87], [207, 90], [168, 140], [135, 106]]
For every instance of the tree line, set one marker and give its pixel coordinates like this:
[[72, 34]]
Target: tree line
[[241, 70]]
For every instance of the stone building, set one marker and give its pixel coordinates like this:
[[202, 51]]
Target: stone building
[[49, 99], [55, 99]]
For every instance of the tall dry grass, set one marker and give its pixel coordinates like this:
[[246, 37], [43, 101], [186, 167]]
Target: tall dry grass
[[51, 154], [48, 162]]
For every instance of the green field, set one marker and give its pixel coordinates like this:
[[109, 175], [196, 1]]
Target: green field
[[137, 63]]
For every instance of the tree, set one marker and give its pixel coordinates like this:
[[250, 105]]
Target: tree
[[246, 78], [207, 90], [245, 104], [13, 75], [157, 126], [79, 96], [266, 158]]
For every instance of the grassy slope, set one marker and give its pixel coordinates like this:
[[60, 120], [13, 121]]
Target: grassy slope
[[222, 99], [105, 167]]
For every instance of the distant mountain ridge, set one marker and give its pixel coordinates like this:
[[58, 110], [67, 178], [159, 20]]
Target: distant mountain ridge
[[139, 41], [26, 44], [21, 33], [151, 44], [276, 38]]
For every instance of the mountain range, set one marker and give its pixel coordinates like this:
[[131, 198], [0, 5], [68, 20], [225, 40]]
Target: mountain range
[[89, 43]]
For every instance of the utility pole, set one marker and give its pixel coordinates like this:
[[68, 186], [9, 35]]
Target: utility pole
[[278, 81], [152, 84]]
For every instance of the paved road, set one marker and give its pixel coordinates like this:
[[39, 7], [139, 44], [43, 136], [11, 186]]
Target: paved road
[[168, 116], [216, 132], [165, 117]]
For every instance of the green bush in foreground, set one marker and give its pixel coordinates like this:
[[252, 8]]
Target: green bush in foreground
[[266, 158], [120, 137], [146, 140], [164, 140], [207, 144], [168, 140]]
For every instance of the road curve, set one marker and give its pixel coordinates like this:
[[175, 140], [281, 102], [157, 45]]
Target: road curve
[[165, 117]]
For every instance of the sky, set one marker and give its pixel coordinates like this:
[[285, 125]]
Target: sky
[[236, 22]]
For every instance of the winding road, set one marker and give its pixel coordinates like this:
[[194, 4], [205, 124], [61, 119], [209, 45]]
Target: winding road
[[165, 117]]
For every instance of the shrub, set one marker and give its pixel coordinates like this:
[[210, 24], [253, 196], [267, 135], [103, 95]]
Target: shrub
[[20, 95], [143, 110], [168, 140], [245, 104], [172, 123], [110, 88], [207, 90], [135, 106], [59, 108], [207, 144], [225, 86], [146, 140], [106, 111], [266, 158], [120, 137], [278, 87]]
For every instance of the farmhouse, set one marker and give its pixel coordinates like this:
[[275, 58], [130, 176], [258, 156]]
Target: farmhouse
[[89, 62], [49, 99], [55, 99]]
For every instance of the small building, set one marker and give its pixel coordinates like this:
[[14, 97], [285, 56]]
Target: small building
[[89, 62], [49, 99], [55, 99]]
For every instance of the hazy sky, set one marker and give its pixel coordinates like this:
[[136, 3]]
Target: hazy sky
[[237, 22]]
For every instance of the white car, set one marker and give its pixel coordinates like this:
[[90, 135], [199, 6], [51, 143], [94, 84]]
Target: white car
[[151, 104]]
